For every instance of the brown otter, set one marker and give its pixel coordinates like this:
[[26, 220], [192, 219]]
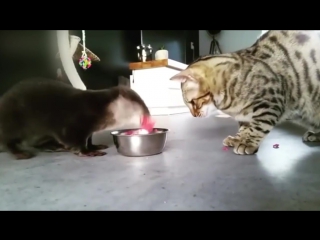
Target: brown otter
[[41, 112]]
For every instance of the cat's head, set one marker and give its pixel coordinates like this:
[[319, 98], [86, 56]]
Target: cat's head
[[203, 84]]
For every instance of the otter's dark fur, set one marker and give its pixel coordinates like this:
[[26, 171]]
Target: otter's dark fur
[[36, 113]]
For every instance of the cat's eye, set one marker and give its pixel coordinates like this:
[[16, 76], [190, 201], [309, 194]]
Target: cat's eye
[[203, 96]]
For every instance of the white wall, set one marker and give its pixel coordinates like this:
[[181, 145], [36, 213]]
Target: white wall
[[229, 40]]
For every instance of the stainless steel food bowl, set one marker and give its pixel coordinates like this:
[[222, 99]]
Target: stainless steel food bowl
[[140, 145]]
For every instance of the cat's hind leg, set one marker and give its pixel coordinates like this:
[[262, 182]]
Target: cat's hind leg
[[311, 136]]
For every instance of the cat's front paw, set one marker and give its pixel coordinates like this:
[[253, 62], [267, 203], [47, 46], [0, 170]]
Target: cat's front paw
[[230, 141], [242, 148]]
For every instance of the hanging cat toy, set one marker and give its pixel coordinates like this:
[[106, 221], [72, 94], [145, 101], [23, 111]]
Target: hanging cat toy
[[84, 61]]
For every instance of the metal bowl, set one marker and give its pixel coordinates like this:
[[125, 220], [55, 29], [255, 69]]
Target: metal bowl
[[140, 145]]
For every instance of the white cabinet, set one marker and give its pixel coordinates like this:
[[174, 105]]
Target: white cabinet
[[162, 96]]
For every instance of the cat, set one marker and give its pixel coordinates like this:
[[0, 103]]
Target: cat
[[277, 78], [46, 113]]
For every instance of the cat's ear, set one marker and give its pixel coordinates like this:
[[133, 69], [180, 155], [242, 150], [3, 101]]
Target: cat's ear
[[184, 76]]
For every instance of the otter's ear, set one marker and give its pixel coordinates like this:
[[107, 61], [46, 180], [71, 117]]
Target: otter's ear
[[184, 76]]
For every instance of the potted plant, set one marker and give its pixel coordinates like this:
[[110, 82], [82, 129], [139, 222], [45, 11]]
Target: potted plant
[[162, 53]]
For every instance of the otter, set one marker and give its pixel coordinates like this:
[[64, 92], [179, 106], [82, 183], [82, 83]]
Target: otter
[[46, 114]]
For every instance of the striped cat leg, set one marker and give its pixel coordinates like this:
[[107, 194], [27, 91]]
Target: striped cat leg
[[248, 139], [313, 133]]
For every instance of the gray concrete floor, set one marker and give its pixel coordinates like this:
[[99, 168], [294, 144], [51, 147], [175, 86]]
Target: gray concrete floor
[[193, 173]]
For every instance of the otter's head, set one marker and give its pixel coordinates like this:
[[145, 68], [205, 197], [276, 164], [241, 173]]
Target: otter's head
[[126, 110]]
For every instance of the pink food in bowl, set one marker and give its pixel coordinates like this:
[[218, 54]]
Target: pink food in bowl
[[147, 127]]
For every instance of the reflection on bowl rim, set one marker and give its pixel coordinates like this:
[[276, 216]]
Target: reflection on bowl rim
[[117, 132]]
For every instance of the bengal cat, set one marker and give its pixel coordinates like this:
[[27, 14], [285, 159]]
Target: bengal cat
[[278, 77]]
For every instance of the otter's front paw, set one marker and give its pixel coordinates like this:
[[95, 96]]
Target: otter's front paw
[[91, 154]]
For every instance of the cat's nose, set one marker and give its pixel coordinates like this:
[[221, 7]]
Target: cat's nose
[[194, 113]]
